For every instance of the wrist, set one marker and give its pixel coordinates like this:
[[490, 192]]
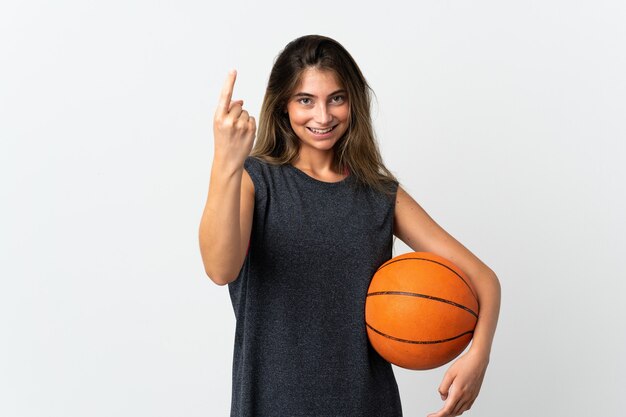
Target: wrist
[[226, 167], [479, 352]]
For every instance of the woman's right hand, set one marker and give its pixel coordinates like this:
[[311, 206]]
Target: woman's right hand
[[233, 128]]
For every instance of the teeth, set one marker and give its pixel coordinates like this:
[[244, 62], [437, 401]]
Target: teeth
[[319, 131]]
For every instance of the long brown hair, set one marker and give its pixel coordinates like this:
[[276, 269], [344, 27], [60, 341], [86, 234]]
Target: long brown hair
[[357, 150]]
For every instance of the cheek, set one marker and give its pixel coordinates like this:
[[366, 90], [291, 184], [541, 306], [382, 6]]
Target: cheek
[[297, 117], [344, 113]]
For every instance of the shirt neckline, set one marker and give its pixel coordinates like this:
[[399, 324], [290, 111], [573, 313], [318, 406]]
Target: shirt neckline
[[315, 180]]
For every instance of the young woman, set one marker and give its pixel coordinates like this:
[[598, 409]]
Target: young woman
[[297, 227]]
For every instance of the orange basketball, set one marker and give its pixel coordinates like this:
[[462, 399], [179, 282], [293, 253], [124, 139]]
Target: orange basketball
[[420, 311]]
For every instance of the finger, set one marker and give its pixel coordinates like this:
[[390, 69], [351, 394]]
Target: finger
[[444, 387], [227, 92], [252, 123], [448, 407], [243, 118], [470, 405], [457, 404], [233, 102], [235, 110], [444, 412], [464, 405], [459, 409]]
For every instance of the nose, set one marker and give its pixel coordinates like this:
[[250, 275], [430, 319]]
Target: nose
[[322, 115]]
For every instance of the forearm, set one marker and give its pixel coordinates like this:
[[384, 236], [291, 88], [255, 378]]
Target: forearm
[[220, 227], [488, 290]]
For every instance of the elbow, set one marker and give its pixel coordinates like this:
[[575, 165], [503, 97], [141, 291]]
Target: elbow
[[221, 271], [218, 281], [496, 282], [493, 287], [486, 283], [493, 280], [219, 277]]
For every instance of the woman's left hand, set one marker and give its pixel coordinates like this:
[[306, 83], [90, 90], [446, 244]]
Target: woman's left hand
[[461, 384]]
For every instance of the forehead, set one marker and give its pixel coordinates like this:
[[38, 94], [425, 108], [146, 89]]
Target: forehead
[[318, 82]]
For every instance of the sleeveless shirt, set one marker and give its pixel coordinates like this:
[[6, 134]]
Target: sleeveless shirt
[[301, 346]]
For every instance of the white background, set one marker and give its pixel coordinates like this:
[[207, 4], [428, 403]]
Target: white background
[[504, 120]]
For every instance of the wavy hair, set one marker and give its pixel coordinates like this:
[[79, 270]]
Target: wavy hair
[[357, 150]]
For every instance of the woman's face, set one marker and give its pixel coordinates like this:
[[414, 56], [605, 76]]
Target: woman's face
[[319, 109]]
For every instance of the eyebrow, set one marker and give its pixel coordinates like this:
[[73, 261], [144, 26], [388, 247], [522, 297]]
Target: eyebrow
[[311, 95]]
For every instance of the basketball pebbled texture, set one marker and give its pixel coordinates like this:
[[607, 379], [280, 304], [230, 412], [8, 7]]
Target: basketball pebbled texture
[[420, 311]]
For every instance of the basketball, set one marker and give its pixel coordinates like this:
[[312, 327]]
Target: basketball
[[420, 311]]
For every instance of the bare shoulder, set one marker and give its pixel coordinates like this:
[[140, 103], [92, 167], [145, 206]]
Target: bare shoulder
[[415, 227], [247, 186], [247, 197]]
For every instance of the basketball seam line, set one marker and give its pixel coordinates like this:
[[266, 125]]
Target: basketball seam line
[[436, 262], [430, 297], [418, 342]]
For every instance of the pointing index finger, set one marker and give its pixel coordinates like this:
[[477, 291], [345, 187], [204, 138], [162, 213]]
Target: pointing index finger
[[227, 92]]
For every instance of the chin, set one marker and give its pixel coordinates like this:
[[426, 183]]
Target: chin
[[322, 146]]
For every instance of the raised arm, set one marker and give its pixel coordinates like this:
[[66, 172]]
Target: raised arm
[[226, 222], [461, 383]]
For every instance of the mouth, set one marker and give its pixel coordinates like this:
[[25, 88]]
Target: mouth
[[321, 131]]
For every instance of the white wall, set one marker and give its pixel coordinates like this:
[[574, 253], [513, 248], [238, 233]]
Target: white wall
[[505, 120]]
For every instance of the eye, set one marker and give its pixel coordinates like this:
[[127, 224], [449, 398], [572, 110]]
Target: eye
[[338, 99], [304, 100]]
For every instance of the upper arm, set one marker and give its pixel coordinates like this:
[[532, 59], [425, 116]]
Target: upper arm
[[421, 233], [246, 212]]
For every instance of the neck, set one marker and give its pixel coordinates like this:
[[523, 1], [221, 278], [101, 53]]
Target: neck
[[315, 160], [318, 164]]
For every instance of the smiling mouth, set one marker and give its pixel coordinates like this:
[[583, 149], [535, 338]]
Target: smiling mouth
[[321, 131]]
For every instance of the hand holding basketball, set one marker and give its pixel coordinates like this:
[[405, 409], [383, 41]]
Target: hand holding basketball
[[233, 128]]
